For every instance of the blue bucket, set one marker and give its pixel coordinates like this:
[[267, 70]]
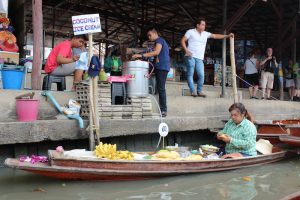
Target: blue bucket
[[12, 78]]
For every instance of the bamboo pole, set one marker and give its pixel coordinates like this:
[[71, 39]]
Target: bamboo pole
[[96, 113], [94, 86], [233, 68], [91, 96], [91, 117]]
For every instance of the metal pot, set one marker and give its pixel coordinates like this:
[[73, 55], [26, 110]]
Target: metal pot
[[138, 85]]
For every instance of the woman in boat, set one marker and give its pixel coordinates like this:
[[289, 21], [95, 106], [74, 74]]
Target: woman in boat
[[239, 133]]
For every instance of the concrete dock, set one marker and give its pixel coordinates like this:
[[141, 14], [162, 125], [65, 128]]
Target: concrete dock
[[185, 113]]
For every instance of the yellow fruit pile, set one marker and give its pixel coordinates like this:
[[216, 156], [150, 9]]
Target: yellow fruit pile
[[166, 155], [173, 155], [110, 152], [193, 157]]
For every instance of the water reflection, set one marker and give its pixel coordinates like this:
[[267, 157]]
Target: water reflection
[[234, 189]]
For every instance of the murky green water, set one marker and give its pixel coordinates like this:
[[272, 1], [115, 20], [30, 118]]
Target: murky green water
[[268, 182]]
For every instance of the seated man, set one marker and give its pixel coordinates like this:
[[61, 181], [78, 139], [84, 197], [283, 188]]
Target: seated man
[[60, 61], [113, 64], [239, 133]]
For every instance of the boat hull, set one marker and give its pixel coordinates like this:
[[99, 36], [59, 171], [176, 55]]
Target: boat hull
[[273, 131], [294, 130], [77, 169], [294, 196], [290, 140]]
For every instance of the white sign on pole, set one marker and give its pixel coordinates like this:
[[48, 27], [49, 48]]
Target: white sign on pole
[[163, 129], [83, 24]]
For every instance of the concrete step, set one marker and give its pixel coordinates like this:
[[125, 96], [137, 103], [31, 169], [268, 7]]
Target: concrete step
[[177, 105], [182, 89], [46, 109], [197, 106]]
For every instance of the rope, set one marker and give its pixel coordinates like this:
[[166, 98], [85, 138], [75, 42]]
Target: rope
[[253, 86], [278, 123]]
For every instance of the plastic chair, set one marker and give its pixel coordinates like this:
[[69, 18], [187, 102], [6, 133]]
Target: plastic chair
[[118, 90], [59, 80]]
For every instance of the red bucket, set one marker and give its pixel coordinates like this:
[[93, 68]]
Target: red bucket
[[27, 109]]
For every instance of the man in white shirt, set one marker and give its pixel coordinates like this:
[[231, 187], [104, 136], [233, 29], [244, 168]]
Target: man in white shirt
[[194, 53]]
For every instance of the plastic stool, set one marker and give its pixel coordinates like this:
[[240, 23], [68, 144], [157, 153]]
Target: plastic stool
[[118, 90], [183, 90], [152, 85], [59, 80], [151, 90]]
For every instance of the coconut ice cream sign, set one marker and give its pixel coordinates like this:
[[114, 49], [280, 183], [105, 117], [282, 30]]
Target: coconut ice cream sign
[[83, 24]]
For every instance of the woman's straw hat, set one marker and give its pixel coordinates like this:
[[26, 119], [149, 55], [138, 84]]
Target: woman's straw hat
[[264, 146]]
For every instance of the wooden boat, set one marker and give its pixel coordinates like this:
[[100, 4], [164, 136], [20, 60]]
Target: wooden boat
[[282, 122], [294, 196], [287, 121], [271, 132], [99, 169], [293, 130], [293, 136], [290, 140], [274, 129]]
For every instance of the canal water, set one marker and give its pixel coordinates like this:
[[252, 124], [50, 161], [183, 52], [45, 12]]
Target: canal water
[[267, 182]]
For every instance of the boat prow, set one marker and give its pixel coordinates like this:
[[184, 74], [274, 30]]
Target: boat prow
[[294, 196]]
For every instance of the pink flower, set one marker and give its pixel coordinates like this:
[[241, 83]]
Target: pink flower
[[59, 149]]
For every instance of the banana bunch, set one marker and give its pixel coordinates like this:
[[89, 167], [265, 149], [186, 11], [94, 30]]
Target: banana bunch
[[125, 155], [110, 152]]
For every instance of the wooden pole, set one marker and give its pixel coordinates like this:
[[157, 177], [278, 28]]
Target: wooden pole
[[96, 116], [37, 20], [224, 51], [233, 68], [91, 107], [93, 94], [91, 110]]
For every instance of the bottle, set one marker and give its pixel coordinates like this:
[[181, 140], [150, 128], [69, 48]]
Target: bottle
[[102, 75], [85, 76]]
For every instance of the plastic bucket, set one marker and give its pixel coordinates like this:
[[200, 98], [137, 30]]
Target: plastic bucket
[[12, 78], [27, 109]]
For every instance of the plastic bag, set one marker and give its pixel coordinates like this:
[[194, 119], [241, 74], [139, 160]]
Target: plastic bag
[[73, 108]]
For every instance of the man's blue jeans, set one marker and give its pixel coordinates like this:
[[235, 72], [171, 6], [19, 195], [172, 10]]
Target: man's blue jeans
[[192, 64]]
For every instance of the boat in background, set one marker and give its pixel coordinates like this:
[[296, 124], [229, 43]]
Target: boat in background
[[110, 170], [286, 121], [272, 130], [293, 136], [294, 196], [290, 140]]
